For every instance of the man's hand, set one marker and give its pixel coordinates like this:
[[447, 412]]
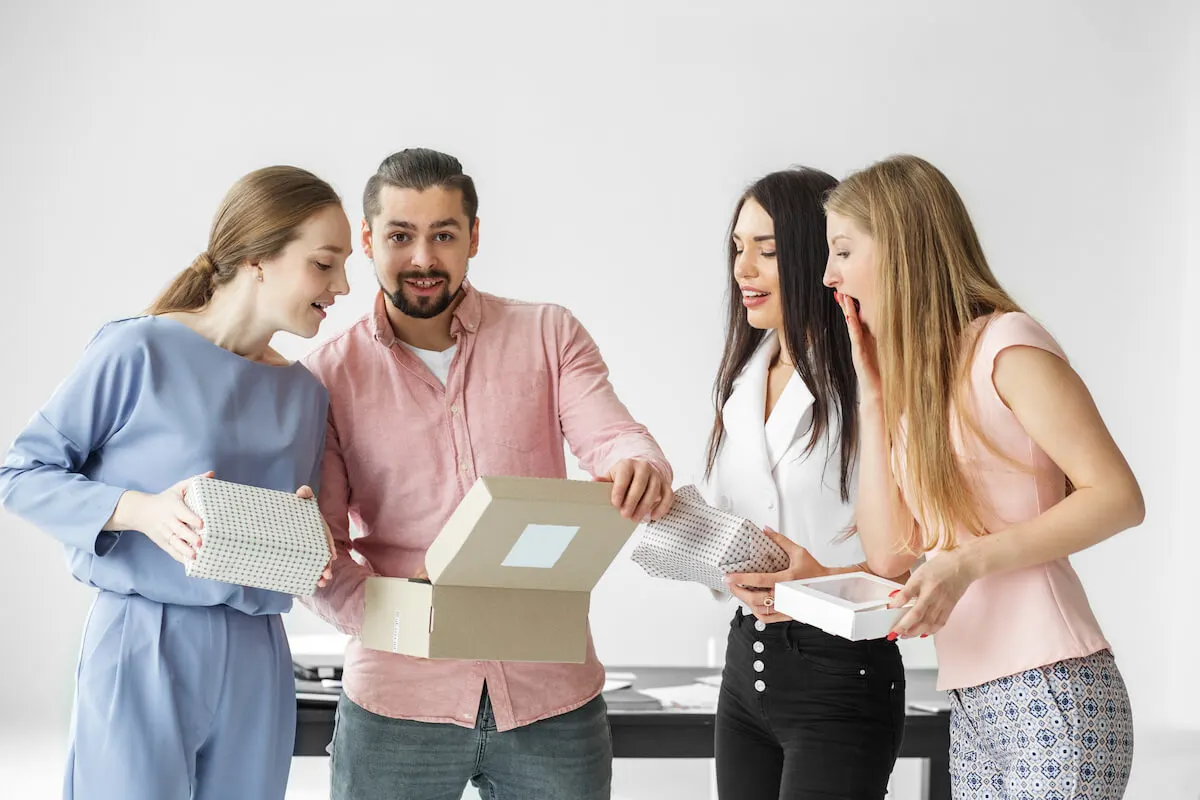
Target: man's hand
[[639, 490]]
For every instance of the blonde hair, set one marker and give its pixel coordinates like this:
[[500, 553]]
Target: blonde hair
[[934, 281], [260, 215]]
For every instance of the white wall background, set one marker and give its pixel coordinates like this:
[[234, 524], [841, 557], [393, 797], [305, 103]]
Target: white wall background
[[609, 144], [1186, 549]]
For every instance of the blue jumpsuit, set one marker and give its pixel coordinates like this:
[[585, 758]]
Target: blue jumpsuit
[[184, 687]]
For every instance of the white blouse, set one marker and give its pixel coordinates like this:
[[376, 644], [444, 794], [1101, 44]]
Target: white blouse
[[762, 473]]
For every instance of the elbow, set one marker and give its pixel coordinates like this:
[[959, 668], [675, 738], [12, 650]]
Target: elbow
[[1136, 506], [7, 480], [890, 565]]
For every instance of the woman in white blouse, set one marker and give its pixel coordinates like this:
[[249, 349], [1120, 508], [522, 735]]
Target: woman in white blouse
[[802, 713]]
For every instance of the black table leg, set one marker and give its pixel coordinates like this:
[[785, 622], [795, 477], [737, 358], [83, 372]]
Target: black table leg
[[939, 778]]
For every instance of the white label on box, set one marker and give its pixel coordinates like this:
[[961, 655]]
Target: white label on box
[[540, 546], [396, 632]]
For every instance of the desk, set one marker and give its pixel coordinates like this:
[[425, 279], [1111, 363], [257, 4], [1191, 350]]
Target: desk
[[673, 734]]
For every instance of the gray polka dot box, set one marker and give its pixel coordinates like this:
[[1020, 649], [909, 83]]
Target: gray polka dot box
[[257, 537], [696, 542]]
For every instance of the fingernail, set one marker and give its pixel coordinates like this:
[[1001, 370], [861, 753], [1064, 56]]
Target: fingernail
[[892, 636], [923, 635], [893, 594]]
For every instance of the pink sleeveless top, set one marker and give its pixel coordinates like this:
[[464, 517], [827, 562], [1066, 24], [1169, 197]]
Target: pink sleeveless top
[[1010, 622]]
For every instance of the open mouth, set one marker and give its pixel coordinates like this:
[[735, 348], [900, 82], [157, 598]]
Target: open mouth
[[752, 297], [424, 287], [839, 297], [321, 308]]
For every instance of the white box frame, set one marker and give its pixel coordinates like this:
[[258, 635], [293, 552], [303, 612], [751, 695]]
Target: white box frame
[[869, 619]]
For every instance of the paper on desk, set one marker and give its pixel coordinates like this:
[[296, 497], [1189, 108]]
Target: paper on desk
[[710, 680], [697, 696], [617, 680], [318, 644]]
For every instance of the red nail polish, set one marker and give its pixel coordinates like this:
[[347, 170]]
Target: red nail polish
[[892, 636], [923, 635], [893, 594]]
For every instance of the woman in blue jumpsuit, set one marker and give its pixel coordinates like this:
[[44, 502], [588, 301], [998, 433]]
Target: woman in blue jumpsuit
[[184, 687]]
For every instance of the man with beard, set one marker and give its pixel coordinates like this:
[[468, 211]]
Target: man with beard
[[439, 385]]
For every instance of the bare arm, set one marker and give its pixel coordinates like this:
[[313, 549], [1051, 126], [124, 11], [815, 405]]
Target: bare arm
[[886, 527], [1055, 408]]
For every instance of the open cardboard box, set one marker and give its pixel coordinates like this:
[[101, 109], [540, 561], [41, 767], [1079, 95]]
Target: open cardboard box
[[510, 575], [852, 605]]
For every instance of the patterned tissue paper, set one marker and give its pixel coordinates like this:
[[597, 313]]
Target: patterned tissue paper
[[696, 542], [257, 537]]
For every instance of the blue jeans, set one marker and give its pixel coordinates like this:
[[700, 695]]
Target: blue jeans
[[568, 757]]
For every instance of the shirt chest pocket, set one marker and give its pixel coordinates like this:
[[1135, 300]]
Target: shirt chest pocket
[[520, 411]]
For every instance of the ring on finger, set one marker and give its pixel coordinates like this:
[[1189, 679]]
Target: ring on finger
[[769, 601]]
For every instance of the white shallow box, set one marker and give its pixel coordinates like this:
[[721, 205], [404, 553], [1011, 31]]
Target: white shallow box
[[852, 605]]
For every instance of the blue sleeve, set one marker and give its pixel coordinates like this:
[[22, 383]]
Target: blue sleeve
[[41, 478], [314, 481]]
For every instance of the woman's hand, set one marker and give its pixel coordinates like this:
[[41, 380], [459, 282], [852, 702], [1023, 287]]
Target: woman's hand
[[306, 493], [164, 519], [757, 589], [936, 586], [862, 348]]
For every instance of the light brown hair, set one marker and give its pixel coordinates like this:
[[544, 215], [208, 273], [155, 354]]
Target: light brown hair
[[934, 281], [260, 215]]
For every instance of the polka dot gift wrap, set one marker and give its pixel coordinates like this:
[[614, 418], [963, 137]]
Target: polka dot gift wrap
[[257, 537], [696, 542]]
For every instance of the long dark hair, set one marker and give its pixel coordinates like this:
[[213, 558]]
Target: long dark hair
[[812, 322]]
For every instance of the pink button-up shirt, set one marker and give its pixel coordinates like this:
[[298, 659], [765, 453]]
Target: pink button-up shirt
[[401, 450]]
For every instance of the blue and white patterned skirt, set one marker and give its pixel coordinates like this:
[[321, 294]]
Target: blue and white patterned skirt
[[1059, 732]]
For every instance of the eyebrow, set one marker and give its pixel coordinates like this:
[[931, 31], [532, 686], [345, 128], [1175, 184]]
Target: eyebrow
[[766, 238], [839, 236], [448, 222], [333, 248]]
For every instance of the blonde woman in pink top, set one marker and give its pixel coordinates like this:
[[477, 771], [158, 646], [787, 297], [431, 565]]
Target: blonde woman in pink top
[[981, 448]]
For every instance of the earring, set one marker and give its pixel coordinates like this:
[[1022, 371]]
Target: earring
[[260, 275]]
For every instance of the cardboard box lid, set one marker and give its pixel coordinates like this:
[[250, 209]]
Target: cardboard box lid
[[529, 533]]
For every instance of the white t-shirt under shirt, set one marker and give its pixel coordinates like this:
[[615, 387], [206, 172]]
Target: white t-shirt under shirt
[[438, 362]]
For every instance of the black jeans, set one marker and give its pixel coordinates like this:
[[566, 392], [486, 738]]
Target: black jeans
[[804, 715]]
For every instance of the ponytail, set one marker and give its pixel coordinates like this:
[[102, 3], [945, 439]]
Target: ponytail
[[190, 291], [259, 217]]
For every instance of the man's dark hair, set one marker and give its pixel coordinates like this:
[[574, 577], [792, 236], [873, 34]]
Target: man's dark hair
[[420, 168]]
